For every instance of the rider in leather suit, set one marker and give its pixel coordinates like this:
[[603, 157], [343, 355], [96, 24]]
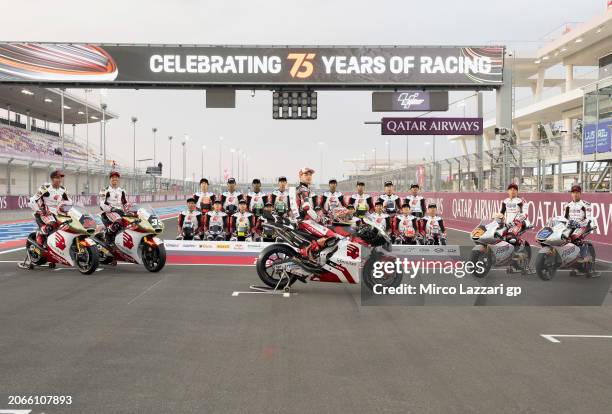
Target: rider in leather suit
[[45, 202], [331, 199], [416, 201], [514, 214], [194, 217], [327, 239], [280, 197], [231, 197], [256, 199], [363, 202], [204, 198], [391, 201], [113, 202], [242, 223], [580, 215]]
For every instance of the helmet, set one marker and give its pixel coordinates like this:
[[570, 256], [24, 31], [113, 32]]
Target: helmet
[[114, 174], [56, 174]]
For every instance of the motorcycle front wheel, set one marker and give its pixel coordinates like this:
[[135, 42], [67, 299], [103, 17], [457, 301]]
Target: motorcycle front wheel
[[154, 258], [268, 258], [546, 265], [87, 260], [393, 279]]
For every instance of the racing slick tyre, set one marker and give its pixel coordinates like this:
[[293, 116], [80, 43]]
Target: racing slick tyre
[[87, 260], [546, 265], [393, 279], [268, 258], [485, 258], [154, 258]]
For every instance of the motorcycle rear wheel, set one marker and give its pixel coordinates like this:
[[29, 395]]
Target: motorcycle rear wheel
[[546, 265], [265, 265]]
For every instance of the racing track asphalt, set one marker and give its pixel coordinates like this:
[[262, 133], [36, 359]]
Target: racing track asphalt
[[127, 341]]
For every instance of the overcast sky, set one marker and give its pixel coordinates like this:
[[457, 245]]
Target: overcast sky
[[279, 147]]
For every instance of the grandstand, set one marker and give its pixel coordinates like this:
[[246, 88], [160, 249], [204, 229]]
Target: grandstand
[[28, 152]]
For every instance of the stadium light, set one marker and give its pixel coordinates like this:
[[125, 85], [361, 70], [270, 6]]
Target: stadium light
[[94, 117], [170, 145], [134, 120], [26, 92], [81, 113], [294, 105], [579, 40], [67, 107], [48, 100]]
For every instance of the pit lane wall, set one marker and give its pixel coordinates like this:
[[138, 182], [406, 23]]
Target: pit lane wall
[[463, 211], [20, 202]]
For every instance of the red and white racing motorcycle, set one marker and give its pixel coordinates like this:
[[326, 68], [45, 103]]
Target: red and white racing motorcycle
[[137, 241], [351, 260], [70, 244]]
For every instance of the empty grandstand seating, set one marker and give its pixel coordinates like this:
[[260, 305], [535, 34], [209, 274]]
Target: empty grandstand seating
[[21, 143]]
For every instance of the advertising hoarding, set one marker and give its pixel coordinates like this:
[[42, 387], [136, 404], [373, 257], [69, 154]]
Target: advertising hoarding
[[151, 65]]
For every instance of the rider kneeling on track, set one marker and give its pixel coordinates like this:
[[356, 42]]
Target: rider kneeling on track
[[406, 226], [382, 219], [190, 222], [216, 223], [514, 216], [113, 203], [269, 214], [45, 203], [581, 223], [242, 224], [433, 229]]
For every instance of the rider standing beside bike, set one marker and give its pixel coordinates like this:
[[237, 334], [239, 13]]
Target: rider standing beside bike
[[191, 219], [416, 201], [514, 215], [113, 202], [579, 214], [204, 199], [45, 202]]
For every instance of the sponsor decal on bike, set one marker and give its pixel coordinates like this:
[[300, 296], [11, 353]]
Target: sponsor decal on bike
[[352, 251], [128, 242], [60, 242]]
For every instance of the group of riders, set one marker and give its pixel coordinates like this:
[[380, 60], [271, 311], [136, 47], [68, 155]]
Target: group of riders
[[235, 216]]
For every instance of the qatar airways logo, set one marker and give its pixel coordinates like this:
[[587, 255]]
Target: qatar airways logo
[[408, 99]]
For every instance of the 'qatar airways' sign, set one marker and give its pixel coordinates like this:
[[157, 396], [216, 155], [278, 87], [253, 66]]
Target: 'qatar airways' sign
[[432, 126]]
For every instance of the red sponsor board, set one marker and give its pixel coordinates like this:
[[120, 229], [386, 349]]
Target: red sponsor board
[[463, 211]]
